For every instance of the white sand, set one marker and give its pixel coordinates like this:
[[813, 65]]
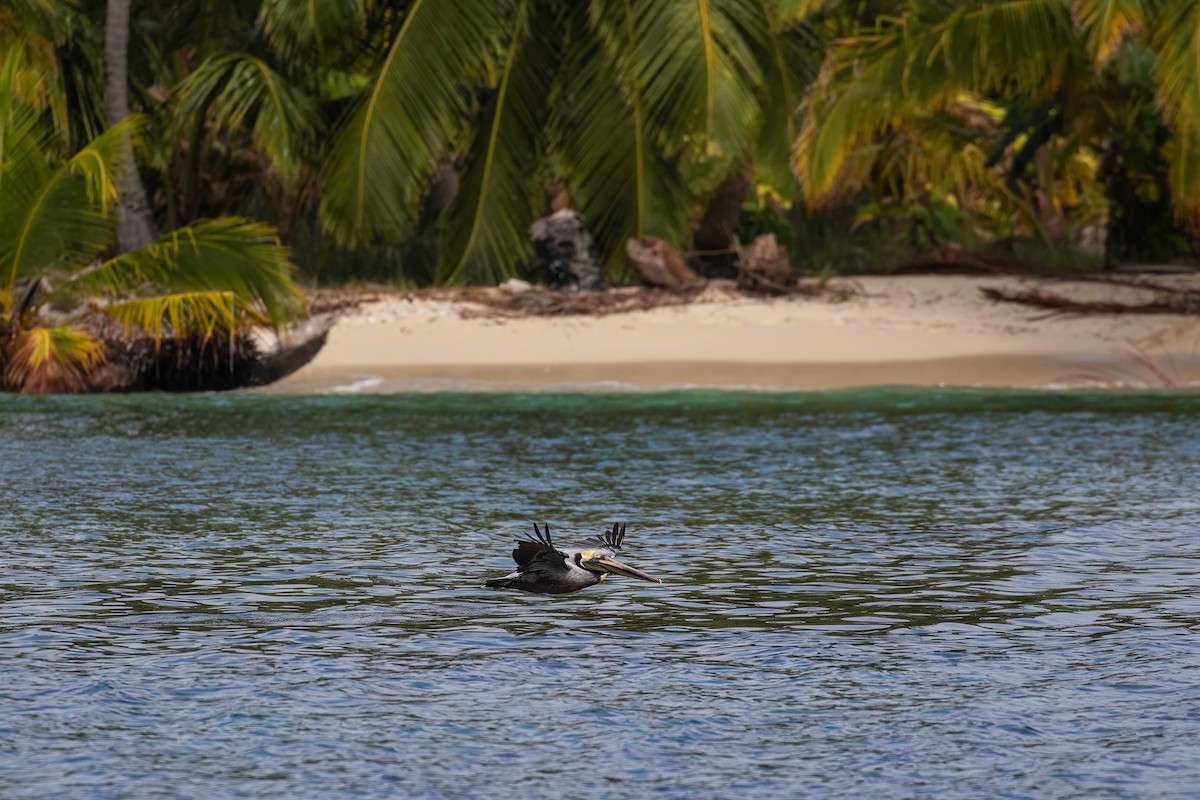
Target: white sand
[[917, 330]]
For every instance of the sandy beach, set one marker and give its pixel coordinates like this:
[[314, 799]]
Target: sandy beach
[[923, 330]]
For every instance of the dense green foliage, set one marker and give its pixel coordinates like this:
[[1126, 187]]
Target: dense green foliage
[[416, 140]]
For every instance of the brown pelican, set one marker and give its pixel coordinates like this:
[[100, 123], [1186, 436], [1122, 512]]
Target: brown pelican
[[545, 568]]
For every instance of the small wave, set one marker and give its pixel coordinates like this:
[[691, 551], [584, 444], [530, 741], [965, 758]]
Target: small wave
[[366, 382]]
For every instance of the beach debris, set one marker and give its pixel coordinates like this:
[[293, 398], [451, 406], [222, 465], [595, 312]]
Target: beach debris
[[659, 264], [566, 254], [515, 286], [544, 303], [1164, 302], [763, 266]]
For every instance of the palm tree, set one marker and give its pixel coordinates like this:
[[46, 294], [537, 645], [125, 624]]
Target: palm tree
[[1061, 67], [643, 108], [205, 280]]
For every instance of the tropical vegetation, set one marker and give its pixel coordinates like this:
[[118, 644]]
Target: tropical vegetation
[[416, 140]]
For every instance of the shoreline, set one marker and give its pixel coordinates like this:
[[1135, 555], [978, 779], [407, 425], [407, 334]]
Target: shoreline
[[928, 330]]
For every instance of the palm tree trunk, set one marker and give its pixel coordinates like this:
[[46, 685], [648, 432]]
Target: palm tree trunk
[[135, 227]]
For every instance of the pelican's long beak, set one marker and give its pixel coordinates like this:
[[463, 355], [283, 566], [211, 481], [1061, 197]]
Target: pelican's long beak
[[610, 564]]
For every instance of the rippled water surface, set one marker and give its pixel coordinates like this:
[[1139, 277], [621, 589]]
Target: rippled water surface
[[888, 594]]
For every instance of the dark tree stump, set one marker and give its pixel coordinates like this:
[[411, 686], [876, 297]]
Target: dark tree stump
[[566, 254]]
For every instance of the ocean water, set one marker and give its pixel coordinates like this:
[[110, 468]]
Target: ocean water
[[871, 593]]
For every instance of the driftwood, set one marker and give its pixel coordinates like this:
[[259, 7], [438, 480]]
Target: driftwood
[[566, 254], [659, 264], [1187, 303], [542, 303], [763, 266]]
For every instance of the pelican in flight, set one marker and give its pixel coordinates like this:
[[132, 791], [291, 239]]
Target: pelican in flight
[[545, 568]]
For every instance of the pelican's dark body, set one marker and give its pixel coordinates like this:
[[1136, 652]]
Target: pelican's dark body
[[545, 568]]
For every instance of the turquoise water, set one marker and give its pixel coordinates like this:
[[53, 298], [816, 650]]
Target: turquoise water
[[897, 593]]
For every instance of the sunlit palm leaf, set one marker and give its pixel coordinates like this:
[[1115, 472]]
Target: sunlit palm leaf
[[485, 231], [57, 216], [384, 155], [1178, 46], [294, 27], [52, 359], [186, 314], [229, 254], [908, 68], [1108, 23], [697, 70], [237, 92]]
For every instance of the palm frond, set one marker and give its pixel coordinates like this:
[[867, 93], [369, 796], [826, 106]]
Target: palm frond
[[228, 254], [1178, 77], [57, 216], [185, 314], [52, 359], [384, 155], [910, 67], [485, 229], [1108, 23], [33, 74], [238, 92], [19, 120], [619, 180], [698, 74], [791, 61], [791, 12], [296, 27]]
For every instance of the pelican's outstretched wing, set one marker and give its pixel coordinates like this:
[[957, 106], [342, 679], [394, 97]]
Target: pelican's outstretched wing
[[538, 551], [609, 540]]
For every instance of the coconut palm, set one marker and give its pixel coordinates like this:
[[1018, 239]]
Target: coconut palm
[[204, 280], [642, 108], [1071, 67]]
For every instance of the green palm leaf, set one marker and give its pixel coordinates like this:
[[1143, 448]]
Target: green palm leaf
[[699, 76], [485, 230], [295, 27], [238, 92], [384, 155], [619, 180], [910, 67], [56, 216], [31, 71], [1178, 46], [229, 254], [790, 12], [791, 61]]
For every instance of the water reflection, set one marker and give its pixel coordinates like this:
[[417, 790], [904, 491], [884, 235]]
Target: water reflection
[[909, 594]]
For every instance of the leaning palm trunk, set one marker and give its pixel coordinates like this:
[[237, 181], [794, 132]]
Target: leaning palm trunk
[[135, 228]]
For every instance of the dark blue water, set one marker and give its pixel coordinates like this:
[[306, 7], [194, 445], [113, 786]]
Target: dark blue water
[[889, 594]]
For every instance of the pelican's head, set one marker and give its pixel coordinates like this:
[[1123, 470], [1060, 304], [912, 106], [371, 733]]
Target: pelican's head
[[603, 563]]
